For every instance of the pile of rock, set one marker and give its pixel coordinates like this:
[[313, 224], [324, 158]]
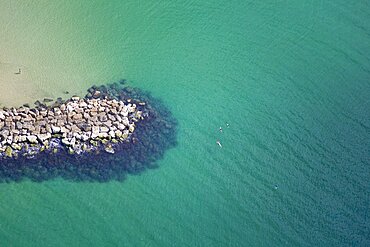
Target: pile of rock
[[78, 124]]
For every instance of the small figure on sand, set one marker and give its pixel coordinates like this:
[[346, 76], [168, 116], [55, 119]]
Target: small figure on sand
[[219, 143], [19, 72]]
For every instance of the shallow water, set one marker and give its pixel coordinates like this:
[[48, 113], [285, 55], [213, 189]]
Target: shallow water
[[290, 78]]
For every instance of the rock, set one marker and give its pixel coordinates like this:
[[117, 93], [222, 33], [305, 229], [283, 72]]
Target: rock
[[22, 138], [66, 142], [109, 149], [5, 133], [46, 100], [118, 133], [43, 137], [111, 117], [96, 94], [103, 136], [131, 128], [95, 129], [32, 139], [132, 109], [104, 129], [55, 129], [121, 126], [16, 146], [73, 142], [8, 152], [112, 134], [59, 101], [63, 129], [125, 121], [103, 118], [77, 116], [62, 107]]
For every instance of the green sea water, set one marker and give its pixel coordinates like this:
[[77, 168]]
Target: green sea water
[[291, 79]]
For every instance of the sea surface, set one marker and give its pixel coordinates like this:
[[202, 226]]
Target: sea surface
[[288, 82]]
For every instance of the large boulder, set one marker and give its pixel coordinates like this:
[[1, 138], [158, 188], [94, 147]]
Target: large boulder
[[32, 139]]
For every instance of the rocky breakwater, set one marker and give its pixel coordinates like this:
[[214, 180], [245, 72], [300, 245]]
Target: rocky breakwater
[[113, 131], [77, 125]]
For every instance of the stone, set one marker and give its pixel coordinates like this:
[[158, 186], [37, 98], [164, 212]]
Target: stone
[[121, 126], [103, 118], [118, 133], [8, 152], [109, 149], [48, 128], [55, 129], [63, 129], [104, 129], [112, 134], [75, 129], [95, 129], [131, 128], [43, 137], [125, 121], [96, 94], [103, 135], [32, 139], [65, 141], [16, 146], [111, 117], [77, 116], [62, 107], [46, 100], [118, 118]]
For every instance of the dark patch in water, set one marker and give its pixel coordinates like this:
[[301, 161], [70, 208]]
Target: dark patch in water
[[151, 138]]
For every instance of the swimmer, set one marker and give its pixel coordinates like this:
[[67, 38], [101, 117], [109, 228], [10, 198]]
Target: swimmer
[[227, 125], [221, 129], [275, 187], [219, 143]]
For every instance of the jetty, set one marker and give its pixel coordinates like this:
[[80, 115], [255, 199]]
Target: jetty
[[77, 125]]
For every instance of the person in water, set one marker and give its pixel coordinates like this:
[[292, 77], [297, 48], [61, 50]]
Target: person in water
[[220, 129]]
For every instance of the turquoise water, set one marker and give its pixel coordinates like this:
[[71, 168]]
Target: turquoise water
[[291, 78]]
